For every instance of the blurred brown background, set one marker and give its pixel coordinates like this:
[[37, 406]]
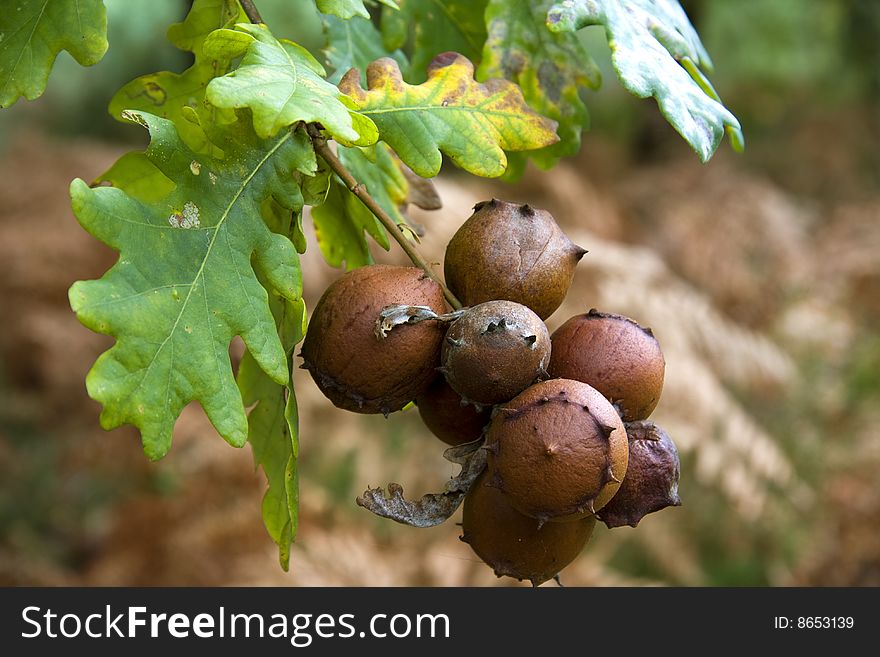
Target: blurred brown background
[[759, 273]]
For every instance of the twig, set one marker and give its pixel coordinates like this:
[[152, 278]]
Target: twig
[[251, 10], [359, 190]]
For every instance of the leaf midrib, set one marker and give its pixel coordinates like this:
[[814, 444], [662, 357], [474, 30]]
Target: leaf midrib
[[200, 272], [476, 109], [28, 40]]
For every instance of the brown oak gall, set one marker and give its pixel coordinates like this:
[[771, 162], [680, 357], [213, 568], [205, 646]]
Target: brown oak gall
[[354, 368], [513, 252], [558, 451], [514, 545], [448, 416], [613, 354], [651, 481], [495, 351]]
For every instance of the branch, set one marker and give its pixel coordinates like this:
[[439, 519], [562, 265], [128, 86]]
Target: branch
[[251, 10], [359, 190]]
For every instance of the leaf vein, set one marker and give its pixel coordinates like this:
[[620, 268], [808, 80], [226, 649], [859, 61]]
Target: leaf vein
[[28, 40], [200, 272]]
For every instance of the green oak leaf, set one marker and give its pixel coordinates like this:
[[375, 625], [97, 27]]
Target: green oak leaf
[[273, 211], [273, 430], [185, 283], [353, 43], [341, 224], [471, 122], [139, 177], [550, 68], [204, 17], [314, 188], [33, 32], [339, 228], [272, 433], [437, 26], [379, 171], [346, 9], [175, 95], [282, 84], [656, 52]]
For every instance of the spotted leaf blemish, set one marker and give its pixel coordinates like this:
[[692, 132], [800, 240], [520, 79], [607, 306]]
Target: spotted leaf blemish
[[188, 218]]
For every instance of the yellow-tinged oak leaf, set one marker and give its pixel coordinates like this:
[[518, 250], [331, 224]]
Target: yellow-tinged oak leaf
[[551, 68], [450, 113]]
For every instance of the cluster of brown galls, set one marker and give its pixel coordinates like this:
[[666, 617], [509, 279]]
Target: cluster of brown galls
[[561, 416]]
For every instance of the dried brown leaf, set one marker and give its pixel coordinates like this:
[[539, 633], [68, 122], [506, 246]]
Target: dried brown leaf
[[433, 508]]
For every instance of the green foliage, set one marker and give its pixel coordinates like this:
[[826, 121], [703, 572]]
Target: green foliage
[[184, 284], [379, 171], [282, 84], [273, 428], [346, 9], [35, 31], [354, 44], [139, 177], [75, 101], [433, 27], [470, 122], [339, 229], [786, 47], [550, 68], [656, 52], [341, 222], [208, 220], [178, 96]]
